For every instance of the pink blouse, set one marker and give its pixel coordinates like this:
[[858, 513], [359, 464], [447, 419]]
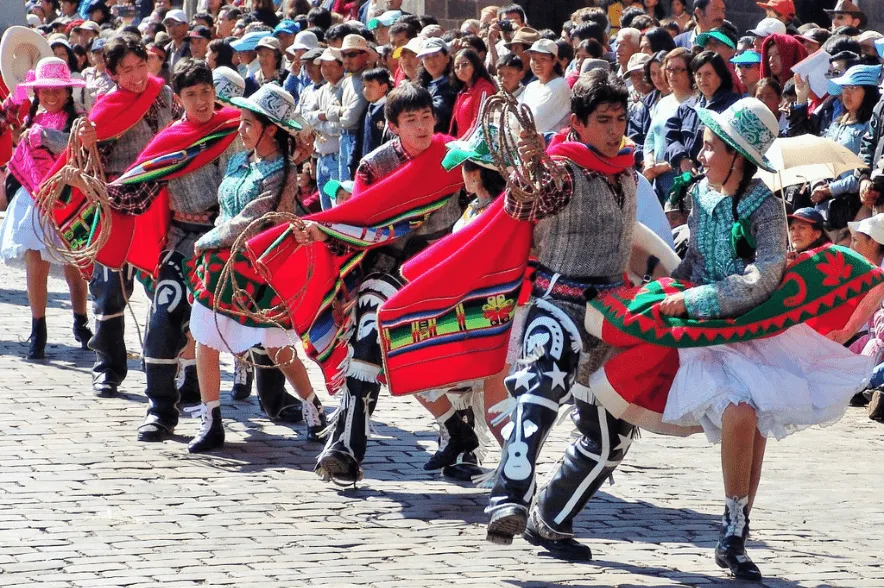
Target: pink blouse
[[31, 161]]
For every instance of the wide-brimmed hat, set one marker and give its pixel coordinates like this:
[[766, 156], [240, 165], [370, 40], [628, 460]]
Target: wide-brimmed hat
[[21, 49], [473, 147], [524, 36], [858, 75], [273, 102], [353, 42], [228, 84], [848, 7], [872, 226], [51, 72], [748, 126]]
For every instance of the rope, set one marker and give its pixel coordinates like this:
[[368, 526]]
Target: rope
[[85, 172], [527, 178], [244, 304]]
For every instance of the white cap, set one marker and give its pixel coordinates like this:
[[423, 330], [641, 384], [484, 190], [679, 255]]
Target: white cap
[[872, 226], [545, 46], [330, 54], [431, 46], [768, 27], [175, 15], [33, 20], [306, 40]]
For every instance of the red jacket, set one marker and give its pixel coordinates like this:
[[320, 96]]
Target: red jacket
[[466, 107]]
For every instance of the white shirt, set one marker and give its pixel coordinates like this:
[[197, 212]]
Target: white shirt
[[550, 104]]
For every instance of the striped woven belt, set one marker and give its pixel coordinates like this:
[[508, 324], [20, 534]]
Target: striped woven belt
[[197, 218], [576, 290]]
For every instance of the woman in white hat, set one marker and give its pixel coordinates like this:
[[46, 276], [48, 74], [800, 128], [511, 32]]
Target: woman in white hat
[[21, 239], [743, 393], [257, 181]]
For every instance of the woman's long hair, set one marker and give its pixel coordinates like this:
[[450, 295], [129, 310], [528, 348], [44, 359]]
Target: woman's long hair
[[491, 179], [69, 108], [286, 144], [423, 77], [479, 70], [871, 96]]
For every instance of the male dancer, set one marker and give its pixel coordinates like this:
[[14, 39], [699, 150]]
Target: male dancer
[[582, 239]]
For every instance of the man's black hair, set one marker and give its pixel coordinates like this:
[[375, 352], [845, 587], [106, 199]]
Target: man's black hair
[[642, 22], [319, 17], [119, 47], [513, 8], [596, 88], [629, 15], [230, 12], [838, 43], [511, 60], [847, 31], [206, 17], [339, 31], [427, 20], [190, 72], [411, 31], [379, 75], [223, 52], [476, 43], [566, 50], [407, 97], [588, 30]]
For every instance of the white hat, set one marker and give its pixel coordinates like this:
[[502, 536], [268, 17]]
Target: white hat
[[306, 40], [414, 45], [431, 46], [89, 25], [748, 126], [768, 27], [637, 62], [273, 102], [544, 46], [355, 42], [20, 50], [175, 15], [33, 20], [872, 226], [228, 83], [330, 54]]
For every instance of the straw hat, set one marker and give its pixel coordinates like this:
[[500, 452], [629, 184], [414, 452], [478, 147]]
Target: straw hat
[[273, 102], [20, 50], [748, 126]]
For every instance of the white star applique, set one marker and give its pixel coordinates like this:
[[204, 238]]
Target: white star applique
[[523, 378], [624, 444], [557, 376]]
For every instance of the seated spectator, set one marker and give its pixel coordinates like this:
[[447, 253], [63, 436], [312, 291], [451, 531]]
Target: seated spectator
[[473, 83], [806, 231]]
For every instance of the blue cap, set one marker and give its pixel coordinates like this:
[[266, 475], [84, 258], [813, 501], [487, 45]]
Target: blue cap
[[387, 19], [879, 45], [747, 58], [858, 75], [286, 26], [809, 215], [249, 42], [97, 45]]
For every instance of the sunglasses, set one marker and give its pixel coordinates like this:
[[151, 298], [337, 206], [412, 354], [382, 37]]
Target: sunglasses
[[351, 54]]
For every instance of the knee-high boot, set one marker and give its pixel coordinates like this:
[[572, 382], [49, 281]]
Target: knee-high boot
[[275, 400]]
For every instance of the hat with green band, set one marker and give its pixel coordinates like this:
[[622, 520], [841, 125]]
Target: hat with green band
[[273, 102], [716, 34], [747, 126], [332, 186], [473, 147]]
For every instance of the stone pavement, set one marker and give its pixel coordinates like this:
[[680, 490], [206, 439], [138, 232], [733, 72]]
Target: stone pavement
[[83, 504]]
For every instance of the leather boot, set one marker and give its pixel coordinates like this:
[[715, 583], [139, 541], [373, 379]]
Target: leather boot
[[876, 406], [37, 346], [730, 552], [339, 461], [242, 380], [82, 332], [456, 437], [274, 399], [557, 544], [110, 367], [211, 433], [189, 385], [314, 416], [162, 395]]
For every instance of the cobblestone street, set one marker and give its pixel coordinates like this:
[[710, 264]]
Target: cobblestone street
[[83, 504]]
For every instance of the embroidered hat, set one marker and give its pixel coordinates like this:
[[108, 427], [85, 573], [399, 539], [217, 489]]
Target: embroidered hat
[[872, 226], [768, 27], [52, 72], [387, 19], [858, 75], [273, 102], [473, 147], [21, 49], [747, 58], [228, 84], [748, 126], [332, 186]]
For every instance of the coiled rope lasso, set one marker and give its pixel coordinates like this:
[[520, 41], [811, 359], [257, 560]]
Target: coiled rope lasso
[[527, 179]]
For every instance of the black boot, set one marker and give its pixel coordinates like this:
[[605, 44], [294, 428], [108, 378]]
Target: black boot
[[162, 396], [242, 380], [456, 437], [211, 434], [314, 416], [506, 522], [189, 386], [859, 400], [37, 347], [730, 552], [273, 398], [339, 461], [558, 545], [82, 332]]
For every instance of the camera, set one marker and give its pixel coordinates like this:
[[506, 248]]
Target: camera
[[506, 25]]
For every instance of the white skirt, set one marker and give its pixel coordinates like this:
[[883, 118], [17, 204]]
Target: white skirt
[[793, 380], [231, 337], [21, 232]]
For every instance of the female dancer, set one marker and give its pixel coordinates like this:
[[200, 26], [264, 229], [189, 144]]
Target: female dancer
[[257, 181], [21, 237]]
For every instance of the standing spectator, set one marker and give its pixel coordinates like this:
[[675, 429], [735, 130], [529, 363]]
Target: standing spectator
[[220, 54], [766, 28], [98, 80], [409, 63], [376, 84], [549, 96], [355, 53], [684, 131], [298, 79], [628, 44], [708, 14], [270, 66], [656, 39], [226, 21], [328, 132], [199, 39], [175, 22], [434, 76], [680, 14], [473, 83], [308, 101], [847, 14]]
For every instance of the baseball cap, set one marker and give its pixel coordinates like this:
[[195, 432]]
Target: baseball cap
[[872, 226], [97, 45], [312, 55], [784, 7], [249, 41], [305, 40], [747, 58], [431, 46], [269, 42], [546, 47], [636, 62], [768, 27], [414, 45], [177, 15], [387, 19], [200, 32], [89, 25], [811, 216], [332, 186], [331, 54], [287, 26]]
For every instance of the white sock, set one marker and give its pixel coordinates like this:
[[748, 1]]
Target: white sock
[[213, 404]]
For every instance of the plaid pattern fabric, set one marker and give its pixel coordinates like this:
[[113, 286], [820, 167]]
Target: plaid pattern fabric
[[370, 170]]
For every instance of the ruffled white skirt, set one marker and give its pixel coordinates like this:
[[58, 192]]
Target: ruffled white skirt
[[229, 336], [793, 380], [21, 232]]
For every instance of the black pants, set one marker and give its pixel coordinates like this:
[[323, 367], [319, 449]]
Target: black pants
[[551, 354], [110, 289], [166, 337]]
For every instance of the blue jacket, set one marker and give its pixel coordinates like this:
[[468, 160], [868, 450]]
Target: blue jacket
[[638, 124], [684, 131]]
